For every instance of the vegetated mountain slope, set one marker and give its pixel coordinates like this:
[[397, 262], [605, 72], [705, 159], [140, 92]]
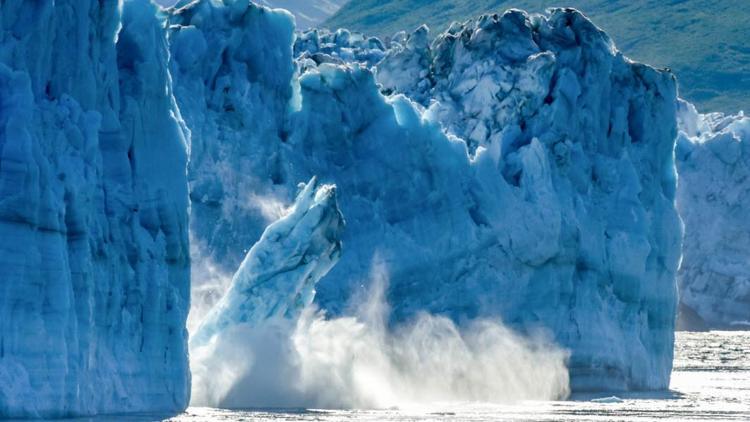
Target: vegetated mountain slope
[[702, 41], [308, 13]]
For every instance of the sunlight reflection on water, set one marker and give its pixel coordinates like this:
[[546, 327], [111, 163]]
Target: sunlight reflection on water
[[711, 382]]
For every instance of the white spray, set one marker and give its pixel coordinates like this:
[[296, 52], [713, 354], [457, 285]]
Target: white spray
[[360, 362]]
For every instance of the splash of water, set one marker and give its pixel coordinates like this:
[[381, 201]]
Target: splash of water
[[209, 284], [360, 362]]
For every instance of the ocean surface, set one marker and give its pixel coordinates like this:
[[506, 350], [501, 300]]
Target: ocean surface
[[710, 382]]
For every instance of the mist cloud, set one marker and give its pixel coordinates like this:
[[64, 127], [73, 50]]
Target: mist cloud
[[361, 362]]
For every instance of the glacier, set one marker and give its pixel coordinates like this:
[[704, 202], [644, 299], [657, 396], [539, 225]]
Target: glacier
[[713, 160], [94, 256], [519, 167]]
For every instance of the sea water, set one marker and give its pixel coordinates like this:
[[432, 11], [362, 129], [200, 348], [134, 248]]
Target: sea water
[[710, 381]]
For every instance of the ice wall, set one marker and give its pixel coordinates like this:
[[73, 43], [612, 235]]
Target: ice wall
[[713, 158], [232, 67], [549, 202], [94, 265]]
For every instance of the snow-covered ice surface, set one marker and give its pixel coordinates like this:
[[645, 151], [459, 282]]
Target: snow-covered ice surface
[[94, 264], [550, 202], [713, 159]]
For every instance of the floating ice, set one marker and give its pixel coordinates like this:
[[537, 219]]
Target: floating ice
[[610, 399]]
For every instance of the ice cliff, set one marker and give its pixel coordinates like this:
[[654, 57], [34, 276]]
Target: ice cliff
[[518, 167], [233, 83], [94, 264], [713, 158]]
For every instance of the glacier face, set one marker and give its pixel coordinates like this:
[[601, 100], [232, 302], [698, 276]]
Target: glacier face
[[522, 169], [713, 159], [232, 82], [94, 257]]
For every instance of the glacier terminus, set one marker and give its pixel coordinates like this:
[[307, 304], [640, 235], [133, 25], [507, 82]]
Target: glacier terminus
[[513, 188]]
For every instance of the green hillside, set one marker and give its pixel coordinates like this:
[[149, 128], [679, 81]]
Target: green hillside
[[706, 43]]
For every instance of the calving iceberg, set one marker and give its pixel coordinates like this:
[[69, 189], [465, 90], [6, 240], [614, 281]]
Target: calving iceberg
[[713, 158], [242, 353], [278, 276], [520, 167], [94, 262]]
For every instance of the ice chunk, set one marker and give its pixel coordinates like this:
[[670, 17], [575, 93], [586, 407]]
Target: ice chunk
[[278, 276]]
